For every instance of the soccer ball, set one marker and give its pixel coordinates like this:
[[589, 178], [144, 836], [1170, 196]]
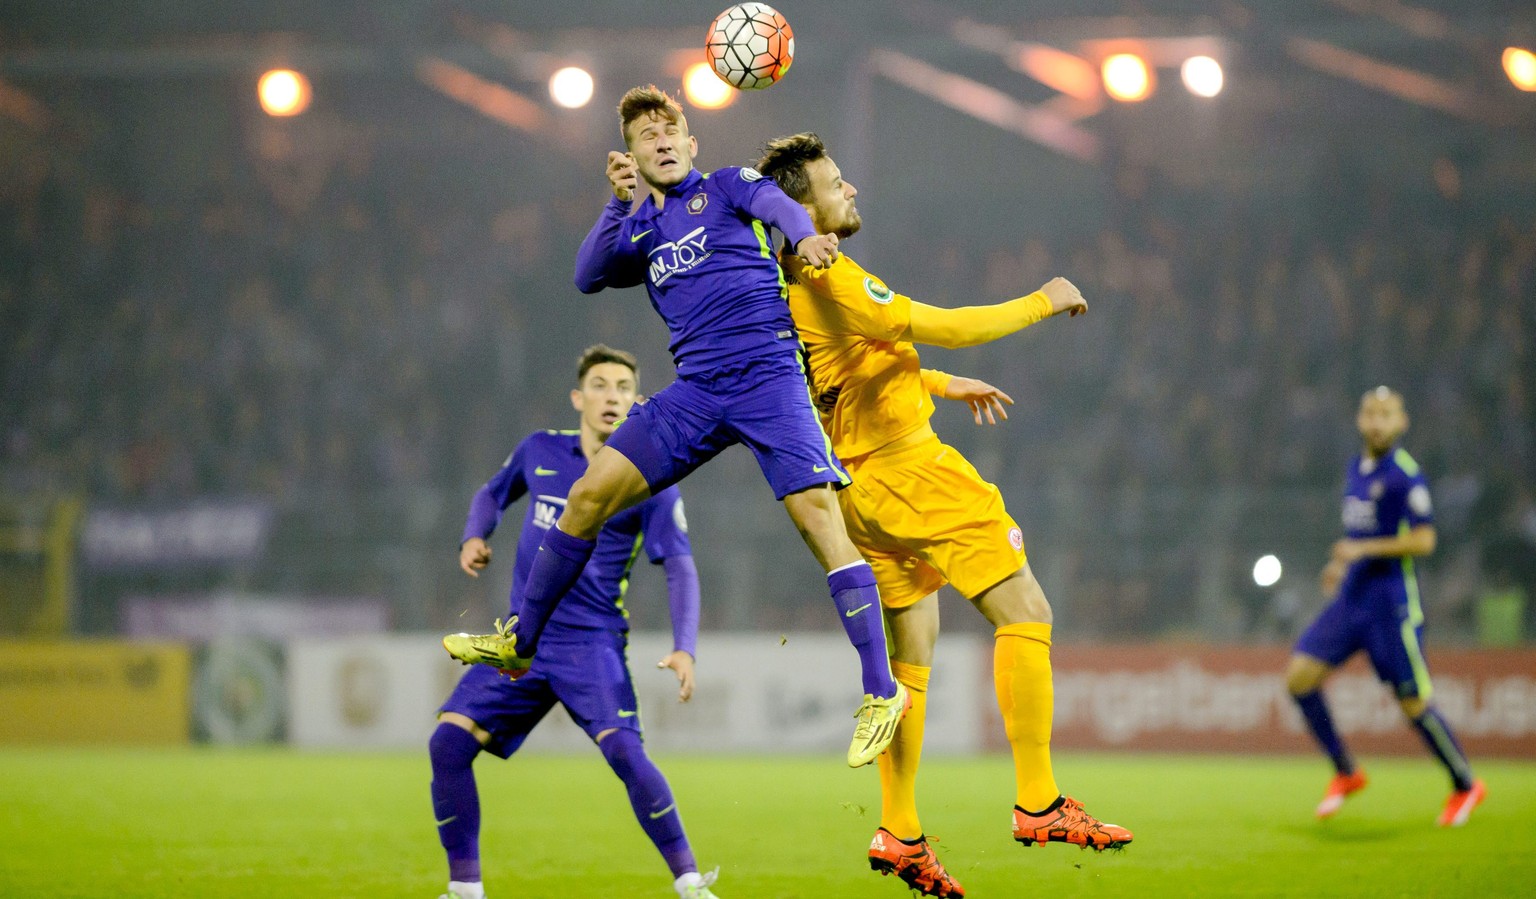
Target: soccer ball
[[750, 46]]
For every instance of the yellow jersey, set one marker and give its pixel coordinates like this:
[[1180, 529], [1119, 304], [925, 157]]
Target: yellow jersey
[[866, 380]]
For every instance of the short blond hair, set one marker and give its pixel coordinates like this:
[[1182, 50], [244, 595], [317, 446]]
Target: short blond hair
[[648, 100]]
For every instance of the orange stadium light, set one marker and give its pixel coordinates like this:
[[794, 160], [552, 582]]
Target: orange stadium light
[[1127, 78], [283, 92], [1520, 66], [704, 89], [571, 87], [1202, 76]]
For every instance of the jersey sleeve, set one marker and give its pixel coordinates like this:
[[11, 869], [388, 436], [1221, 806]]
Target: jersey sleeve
[[505, 487], [607, 258], [865, 305], [763, 199], [665, 526], [1418, 509]]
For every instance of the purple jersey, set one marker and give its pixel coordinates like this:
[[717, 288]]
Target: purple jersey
[[1382, 498], [706, 262], [545, 465]]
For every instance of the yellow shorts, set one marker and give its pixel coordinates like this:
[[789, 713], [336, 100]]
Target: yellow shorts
[[924, 517]]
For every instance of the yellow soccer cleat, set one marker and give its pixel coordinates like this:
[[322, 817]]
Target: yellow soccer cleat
[[499, 650], [877, 726]]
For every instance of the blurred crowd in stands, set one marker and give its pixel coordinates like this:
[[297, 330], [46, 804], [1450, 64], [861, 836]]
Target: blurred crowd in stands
[[314, 337]]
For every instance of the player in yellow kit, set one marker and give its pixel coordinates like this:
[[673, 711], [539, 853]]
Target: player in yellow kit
[[922, 515]]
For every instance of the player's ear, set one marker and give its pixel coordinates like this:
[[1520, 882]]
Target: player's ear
[[693, 146], [578, 401]]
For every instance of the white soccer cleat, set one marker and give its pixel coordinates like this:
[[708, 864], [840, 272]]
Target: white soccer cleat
[[694, 885], [459, 889]]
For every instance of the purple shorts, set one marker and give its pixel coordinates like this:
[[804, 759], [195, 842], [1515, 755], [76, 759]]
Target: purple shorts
[[1374, 615], [764, 404], [585, 671]]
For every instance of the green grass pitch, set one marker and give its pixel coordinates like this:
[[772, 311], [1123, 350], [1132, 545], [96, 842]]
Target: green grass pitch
[[281, 823]]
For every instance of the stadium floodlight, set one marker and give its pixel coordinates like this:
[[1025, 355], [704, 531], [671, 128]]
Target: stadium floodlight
[[704, 89], [1520, 66], [1266, 571], [1202, 76], [283, 92], [1127, 78], [571, 87]]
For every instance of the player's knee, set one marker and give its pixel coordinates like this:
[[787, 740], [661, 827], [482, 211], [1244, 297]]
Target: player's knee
[[1302, 677], [452, 746], [1413, 706], [621, 749]]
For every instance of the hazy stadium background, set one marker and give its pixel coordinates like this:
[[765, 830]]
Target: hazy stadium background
[[254, 367]]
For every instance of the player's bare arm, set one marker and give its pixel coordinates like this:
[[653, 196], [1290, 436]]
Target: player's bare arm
[[681, 664], [474, 555], [983, 398], [1418, 541]]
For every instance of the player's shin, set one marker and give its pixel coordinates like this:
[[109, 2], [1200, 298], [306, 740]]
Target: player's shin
[[1314, 709], [898, 766], [556, 568], [858, 606], [456, 800], [650, 797], [1021, 671], [1437, 734]]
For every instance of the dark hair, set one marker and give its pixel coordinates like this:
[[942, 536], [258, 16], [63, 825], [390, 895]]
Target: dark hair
[[597, 354], [647, 100], [784, 160]]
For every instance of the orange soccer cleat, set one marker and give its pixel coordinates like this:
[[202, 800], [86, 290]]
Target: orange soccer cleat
[[1459, 807], [1066, 822], [914, 863], [1338, 789]]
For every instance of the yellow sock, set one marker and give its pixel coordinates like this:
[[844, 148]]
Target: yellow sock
[[1021, 670], [898, 765]]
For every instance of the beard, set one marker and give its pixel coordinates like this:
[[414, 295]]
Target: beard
[[849, 226]]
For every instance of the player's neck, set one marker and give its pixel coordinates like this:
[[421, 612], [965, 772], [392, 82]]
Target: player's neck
[[591, 442]]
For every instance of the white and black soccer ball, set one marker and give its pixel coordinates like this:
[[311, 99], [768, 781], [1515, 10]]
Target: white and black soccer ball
[[750, 46]]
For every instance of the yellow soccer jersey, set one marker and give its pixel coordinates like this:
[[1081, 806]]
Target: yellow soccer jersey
[[866, 380]]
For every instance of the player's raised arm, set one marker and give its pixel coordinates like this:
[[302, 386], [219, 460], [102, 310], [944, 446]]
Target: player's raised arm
[[607, 257], [764, 200], [975, 325]]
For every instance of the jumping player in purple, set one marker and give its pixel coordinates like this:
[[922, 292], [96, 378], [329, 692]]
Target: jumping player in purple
[[1388, 521], [581, 663], [700, 245]]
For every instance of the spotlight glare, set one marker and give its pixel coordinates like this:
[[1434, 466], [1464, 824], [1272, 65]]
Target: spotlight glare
[[704, 89], [1520, 66], [1202, 76], [571, 87], [283, 92], [1127, 78], [1266, 571]]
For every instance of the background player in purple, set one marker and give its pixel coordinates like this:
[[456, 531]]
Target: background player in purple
[[1388, 521], [700, 245], [582, 662]]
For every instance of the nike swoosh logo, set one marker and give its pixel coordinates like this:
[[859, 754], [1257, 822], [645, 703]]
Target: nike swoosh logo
[[852, 612], [818, 469], [655, 815], [541, 470], [636, 238], [626, 714], [448, 820]]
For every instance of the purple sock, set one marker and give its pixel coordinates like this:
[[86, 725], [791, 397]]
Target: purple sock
[[1432, 727], [650, 797], [1315, 709], [455, 801], [556, 567], [858, 604]]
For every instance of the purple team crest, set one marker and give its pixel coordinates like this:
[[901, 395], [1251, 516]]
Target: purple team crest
[[697, 203]]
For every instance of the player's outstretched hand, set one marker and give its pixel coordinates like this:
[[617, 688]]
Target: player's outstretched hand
[[983, 398], [818, 250], [1064, 297], [621, 175], [474, 555], [681, 663]]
